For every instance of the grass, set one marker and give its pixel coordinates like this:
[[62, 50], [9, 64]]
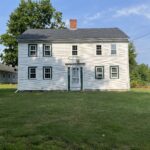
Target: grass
[[74, 120], [8, 86]]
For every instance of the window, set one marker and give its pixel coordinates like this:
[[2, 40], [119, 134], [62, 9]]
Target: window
[[74, 50], [114, 72], [32, 72], [33, 50], [99, 72], [113, 49], [13, 76], [9, 75], [47, 72], [3, 75], [98, 50], [47, 50]]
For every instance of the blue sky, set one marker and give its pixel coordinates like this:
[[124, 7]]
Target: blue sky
[[133, 17]]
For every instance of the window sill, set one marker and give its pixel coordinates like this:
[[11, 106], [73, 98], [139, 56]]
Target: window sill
[[47, 56]]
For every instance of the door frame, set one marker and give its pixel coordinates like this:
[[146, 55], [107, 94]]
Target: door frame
[[81, 77]]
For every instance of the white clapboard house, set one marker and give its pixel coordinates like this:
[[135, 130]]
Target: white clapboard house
[[73, 59]]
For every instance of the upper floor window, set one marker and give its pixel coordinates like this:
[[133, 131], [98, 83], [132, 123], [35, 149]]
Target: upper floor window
[[74, 50], [47, 72], [99, 72], [113, 49], [32, 50], [98, 50], [47, 50], [114, 72], [32, 72]]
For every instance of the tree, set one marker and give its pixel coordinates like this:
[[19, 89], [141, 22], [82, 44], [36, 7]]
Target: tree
[[144, 72], [29, 14], [132, 57], [139, 73]]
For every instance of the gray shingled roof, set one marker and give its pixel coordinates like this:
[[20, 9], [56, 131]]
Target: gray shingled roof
[[6, 68], [61, 35]]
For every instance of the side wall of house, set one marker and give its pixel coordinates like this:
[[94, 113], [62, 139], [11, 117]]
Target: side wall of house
[[60, 56], [8, 77]]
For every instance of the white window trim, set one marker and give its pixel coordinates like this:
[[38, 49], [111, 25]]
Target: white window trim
[[96, 73], [113, 49], [47, 67], [74, 50], [29, 47], [98, 50], [47, 50], [111, 72], [29, 73]]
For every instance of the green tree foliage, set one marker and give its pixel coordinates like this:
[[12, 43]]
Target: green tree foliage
[[29, 14], [139, 73], [132, 57]]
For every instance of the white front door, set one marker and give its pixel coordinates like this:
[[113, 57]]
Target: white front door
[[75, 78]]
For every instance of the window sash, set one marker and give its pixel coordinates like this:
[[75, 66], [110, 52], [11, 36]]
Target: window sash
[[47, 51], [113, 49], [99, 72], [75, 47], [47, 72], [32, 72], [114, 74], [74, 50], [32, 50], [98, 50]]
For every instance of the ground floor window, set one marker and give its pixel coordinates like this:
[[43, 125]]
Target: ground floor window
[[47, 72], [114, 72], [99, 72], [32, 72]]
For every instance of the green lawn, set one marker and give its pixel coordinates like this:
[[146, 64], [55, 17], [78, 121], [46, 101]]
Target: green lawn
[[8, 86], [74, 120]]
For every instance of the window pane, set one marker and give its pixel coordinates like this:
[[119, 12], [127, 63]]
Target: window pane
[[33, 53], [99, 69], [98, 52], [113, 46], [32, 70], [47, 76], [47, 48], [74, 52], [74, 47], [47, 53], [32, 76], [99, 47], [47, 70], [32, 47], [114, 70], [114, 75], [99, 76], [113, 51]]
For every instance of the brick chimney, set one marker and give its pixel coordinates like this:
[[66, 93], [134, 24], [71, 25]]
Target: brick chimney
[[73, 24]]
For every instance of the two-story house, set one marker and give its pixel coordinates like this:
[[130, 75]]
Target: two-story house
[[73, 59]]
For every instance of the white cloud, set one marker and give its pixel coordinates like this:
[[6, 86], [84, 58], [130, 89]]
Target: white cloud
[[138, 10], [96, 16]]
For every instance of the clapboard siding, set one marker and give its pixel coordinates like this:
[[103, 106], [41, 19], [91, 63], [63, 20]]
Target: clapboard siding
[[87, 54]]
